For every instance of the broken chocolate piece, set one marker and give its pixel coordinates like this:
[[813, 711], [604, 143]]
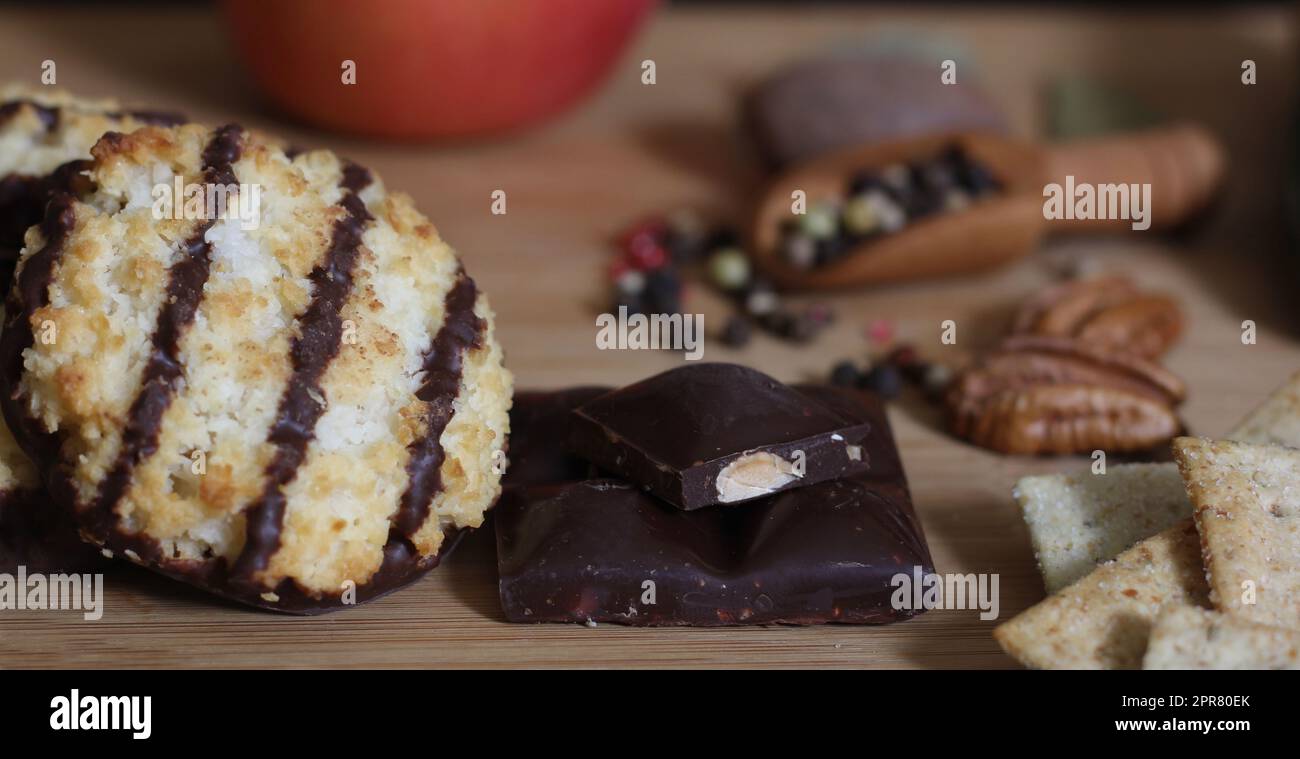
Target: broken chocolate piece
[[535, 454], [603, 550], [717, 433]]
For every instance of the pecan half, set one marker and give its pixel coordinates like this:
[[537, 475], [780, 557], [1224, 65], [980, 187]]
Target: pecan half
[[1107, 312], [1053, 395], [1060, 309], [1146, 325]]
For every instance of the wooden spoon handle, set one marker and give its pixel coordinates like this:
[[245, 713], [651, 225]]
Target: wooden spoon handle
[[1183, 164]]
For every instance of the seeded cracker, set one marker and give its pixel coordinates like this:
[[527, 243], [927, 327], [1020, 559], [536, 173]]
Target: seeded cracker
[[1246, 502], [1188, 638], [1077, 521], [1103, 620]]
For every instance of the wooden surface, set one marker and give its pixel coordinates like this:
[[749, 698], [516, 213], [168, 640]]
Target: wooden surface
[[635, 149]]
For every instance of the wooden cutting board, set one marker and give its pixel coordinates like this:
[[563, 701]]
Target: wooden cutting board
[[637, 149]]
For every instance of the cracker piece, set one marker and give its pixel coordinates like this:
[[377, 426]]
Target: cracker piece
[[1246, 501], [1077, 521], [1189, 638], [1103, 621], [1276, 420]]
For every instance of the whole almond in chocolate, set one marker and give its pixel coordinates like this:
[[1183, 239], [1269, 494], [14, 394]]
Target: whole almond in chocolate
[[706, 434]]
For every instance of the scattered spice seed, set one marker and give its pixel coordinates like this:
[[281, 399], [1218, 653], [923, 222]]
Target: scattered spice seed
[[648, 257], [737, 331], [846, 374], [800, 251], [880, 332], [820, 222], [729, 269], [631, 282], [647, 275], [860, 215], [883, 380], [685, 236], [820, 314], [644, 278], [883, 202], [761, 300], [937, 379], [887, 376], [909, 364]]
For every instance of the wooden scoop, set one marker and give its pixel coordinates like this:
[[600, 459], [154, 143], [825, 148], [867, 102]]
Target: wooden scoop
[[1183, 164]]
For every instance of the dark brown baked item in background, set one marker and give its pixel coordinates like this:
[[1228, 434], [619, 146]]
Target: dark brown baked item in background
[[818, 106]]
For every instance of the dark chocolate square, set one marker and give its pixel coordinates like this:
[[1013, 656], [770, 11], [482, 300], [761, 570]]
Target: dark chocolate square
[[707, 434], [601, 550], [536, 454]]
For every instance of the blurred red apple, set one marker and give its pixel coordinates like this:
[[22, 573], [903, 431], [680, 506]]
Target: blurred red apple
[[431, 68]]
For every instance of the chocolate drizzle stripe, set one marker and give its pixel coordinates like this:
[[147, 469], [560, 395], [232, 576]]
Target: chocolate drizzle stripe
[[52, 115], [23, 200], [317, 343], [49, 115], [29, 294], [152, 118], [461, 331], [158, 383]]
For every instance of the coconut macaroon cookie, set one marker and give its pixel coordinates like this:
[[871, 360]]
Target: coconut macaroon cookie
[[45, 141], [296, 401]]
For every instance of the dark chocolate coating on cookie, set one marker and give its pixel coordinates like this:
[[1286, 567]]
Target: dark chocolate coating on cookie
[[22, 203], [683, 435], [402, 566], [36, 534], [584, 551]]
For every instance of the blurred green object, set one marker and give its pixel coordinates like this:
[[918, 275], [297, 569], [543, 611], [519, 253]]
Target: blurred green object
[[1078, 106]]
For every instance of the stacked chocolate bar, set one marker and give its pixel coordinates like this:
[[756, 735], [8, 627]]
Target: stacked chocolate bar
[[707, 495]]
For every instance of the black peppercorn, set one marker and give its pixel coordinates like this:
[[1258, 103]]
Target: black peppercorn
[[846, 374], [663, 292], [736, 332], [883, 380]]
